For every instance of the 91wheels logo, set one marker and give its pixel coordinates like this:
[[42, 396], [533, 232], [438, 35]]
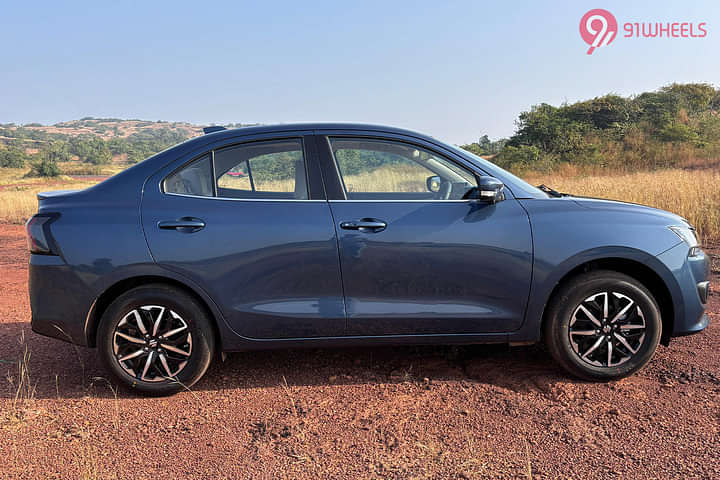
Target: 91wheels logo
[[598, 28]]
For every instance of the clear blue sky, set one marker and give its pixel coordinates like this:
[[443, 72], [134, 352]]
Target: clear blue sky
[[454, 70]]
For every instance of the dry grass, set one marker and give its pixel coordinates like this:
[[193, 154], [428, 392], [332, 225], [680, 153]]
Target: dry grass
[[243, 183], [23, 386], [13, 176], [80, 168], [18, 192], [17, 204], [393, 178], [693, 194]]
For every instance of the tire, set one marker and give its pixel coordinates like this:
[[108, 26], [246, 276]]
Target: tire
[[634, 334], [157, 361]]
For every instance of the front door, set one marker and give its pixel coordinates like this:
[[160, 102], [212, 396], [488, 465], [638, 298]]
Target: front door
[[416, 256], [244, 223]]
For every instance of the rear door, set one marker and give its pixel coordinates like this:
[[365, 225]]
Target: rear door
[[416, 256], [248, 221]]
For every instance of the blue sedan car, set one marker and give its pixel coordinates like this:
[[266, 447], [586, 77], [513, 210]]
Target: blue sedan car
[[344, 234]]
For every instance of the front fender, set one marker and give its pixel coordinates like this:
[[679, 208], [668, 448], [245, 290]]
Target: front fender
[[547, 276]]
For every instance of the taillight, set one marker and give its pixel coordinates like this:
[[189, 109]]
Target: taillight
[[39, 238]]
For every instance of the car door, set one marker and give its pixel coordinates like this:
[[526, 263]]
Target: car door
[[416, 257], [248, 221]]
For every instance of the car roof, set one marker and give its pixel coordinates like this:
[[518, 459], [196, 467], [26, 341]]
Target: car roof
[[285, 127]]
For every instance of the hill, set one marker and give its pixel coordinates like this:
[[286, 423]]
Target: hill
[[97, 141], [677, 125]]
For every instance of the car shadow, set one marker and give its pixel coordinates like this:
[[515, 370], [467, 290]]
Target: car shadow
[[61, 370]]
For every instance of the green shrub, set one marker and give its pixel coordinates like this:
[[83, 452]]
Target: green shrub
[[44, 166], [46, 163], [12, 157], [676, 125], [678, 132]]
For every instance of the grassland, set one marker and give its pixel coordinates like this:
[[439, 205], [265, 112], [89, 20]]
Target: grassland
[[693, 194], [18, 192]]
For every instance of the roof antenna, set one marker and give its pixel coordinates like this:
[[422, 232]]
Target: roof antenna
[[214, 128]]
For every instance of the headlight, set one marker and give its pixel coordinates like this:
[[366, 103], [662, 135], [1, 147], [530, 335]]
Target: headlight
[[687, 234]]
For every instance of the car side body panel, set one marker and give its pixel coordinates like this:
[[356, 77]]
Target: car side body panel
[[438, 267]]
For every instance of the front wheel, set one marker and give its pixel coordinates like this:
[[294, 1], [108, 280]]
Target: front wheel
[[602, 325], [156, 339]]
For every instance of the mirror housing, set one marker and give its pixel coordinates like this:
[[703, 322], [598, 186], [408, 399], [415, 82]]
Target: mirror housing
[[489, 190], [433, 183]]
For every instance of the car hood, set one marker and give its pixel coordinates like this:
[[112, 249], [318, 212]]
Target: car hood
[[626, 207]]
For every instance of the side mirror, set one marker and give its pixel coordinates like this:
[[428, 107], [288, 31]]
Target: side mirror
[[489, 189], [433, 183]]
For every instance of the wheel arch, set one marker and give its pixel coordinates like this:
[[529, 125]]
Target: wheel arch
[[109, 294], [647, 275]]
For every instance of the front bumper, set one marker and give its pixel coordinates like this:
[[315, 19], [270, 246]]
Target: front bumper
[[689, 288]]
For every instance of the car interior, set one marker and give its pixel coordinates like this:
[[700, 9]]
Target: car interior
[[425, 175]]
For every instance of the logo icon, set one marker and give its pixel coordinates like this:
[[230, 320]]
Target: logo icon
[[598, 28]]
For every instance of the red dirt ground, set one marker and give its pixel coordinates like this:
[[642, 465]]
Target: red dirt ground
[[481, 412]]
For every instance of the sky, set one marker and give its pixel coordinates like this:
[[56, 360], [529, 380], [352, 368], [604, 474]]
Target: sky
[[455, 69]]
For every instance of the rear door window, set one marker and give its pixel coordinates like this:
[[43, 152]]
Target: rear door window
[[272, 169], [195, 179]]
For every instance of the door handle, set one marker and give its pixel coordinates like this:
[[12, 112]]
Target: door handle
[[185, 224], [370, 224]]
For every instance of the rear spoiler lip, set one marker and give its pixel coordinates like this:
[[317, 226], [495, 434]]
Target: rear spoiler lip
[[55, 193]]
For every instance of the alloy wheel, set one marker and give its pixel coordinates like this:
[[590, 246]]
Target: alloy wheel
[[152, 343], [607, 329]]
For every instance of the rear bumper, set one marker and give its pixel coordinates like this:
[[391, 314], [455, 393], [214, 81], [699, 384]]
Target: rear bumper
[[59, 299], [691, 275]]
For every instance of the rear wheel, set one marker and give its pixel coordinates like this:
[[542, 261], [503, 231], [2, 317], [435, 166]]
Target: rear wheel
[[602, 325], [156, 339]]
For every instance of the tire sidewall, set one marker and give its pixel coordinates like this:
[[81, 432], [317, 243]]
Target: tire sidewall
[[586, 287], [182, 304]]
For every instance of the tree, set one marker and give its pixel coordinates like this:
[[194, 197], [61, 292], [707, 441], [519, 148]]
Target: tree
[[12, 157], [46, 164], [678, 132], [521, 157], [601, 112], [90, 149], [695, 97], [57, 152], [485, 146]]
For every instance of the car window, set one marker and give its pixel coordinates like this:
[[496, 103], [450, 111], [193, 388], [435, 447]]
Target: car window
[[274, 169], [259, 170], [194, 179], [386, 170]]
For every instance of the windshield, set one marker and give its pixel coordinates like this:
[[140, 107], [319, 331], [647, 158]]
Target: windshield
[[508, 178]]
